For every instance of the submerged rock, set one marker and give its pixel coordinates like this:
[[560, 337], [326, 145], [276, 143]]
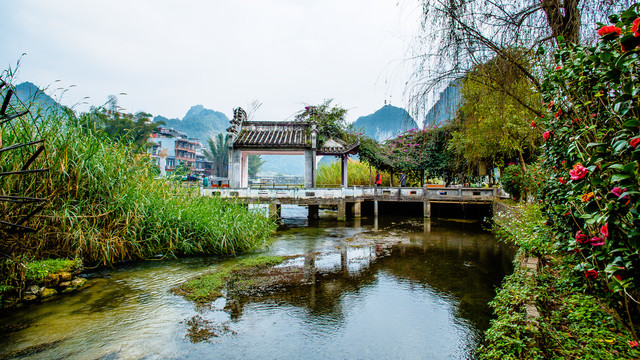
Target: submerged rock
[[47, 293]]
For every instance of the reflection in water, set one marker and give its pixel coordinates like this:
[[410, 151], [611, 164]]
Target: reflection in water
[[426, 299]]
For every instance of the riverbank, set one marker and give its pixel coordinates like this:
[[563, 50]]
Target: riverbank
[[550, 311], [96, 199]]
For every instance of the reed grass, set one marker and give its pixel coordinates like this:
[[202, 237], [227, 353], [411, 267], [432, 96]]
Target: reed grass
[[358, 173], [104, 205]]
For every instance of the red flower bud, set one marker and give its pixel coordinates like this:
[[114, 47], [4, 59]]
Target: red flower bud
[[591, 274]]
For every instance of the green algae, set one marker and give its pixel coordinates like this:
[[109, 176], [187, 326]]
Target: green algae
[[237, 278]]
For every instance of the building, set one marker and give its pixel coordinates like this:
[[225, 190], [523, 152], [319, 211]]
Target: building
[[171, 148]]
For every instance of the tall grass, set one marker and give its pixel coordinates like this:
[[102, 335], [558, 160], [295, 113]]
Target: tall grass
[[103, 204], [358, 173]]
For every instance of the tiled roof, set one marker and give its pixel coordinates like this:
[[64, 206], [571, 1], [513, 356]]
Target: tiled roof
[[273, 134], [337, 147]]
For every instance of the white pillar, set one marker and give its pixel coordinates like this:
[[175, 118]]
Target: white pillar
[[235, 168], [309, 169], [345, 159], [245, 170]]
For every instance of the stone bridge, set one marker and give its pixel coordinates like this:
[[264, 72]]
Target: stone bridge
[[350, 199]]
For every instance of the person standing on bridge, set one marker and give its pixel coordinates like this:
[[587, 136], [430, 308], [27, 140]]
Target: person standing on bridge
[[378, 179], [403, 179], [205, 181]]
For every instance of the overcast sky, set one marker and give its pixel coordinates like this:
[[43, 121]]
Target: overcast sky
[[169, 55]]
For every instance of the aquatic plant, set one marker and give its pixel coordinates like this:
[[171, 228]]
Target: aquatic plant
[[241, 276]]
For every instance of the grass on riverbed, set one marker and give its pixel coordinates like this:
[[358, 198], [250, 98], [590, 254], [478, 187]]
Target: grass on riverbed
[[241, 277]]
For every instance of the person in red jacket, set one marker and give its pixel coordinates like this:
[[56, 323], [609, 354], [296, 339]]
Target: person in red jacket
[[378, 178]]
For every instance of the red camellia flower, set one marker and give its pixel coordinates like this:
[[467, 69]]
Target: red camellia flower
[[604, 230], [633, 343], [559, 113], [558, 67], [561, 180], [612, 31], [634, 142], [546, 135], [578, 172], [533, 124], [596, 241], [617, 191], [591, 274], [581, 238], [634, 28]]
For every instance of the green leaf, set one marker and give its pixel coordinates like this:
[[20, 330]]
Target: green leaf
[[629, 167], [560, 209], [619, 145], [619, 177], [594, 144], [631, 123], [606, 56]]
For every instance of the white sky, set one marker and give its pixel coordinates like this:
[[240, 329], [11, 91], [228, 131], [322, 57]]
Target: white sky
[[169, 55]]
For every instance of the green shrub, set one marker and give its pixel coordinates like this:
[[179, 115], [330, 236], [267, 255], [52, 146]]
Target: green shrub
[[513, 181], [592, 104]]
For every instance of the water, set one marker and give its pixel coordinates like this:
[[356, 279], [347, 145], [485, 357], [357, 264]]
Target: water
[[426, 300]]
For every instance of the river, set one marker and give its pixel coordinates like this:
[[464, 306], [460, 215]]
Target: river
[[423, 298]]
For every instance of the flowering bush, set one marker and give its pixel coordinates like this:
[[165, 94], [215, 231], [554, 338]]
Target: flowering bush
[[595, 96], [513, 181]]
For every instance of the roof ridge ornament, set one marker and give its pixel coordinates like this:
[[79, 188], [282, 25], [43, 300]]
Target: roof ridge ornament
[[239, 117]]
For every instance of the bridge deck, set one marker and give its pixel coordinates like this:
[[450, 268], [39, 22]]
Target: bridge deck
[[332, 196]]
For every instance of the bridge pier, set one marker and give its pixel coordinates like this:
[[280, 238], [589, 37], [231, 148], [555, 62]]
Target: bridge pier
[[314, 212], [427, 225], [342, 211], [427, 209], [375, 207], [356, 209]]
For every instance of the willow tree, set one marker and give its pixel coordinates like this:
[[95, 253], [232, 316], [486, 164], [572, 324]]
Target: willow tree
[[459, 35], [492, 126]]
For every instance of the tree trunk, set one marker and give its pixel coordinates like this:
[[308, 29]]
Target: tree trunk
[[563, 18]]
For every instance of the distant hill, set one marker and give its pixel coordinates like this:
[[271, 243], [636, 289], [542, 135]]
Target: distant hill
[[29, 92], [446, 106], [199, 122], [385, 123]]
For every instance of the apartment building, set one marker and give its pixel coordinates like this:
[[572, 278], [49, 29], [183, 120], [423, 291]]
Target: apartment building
[[171, 148]]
